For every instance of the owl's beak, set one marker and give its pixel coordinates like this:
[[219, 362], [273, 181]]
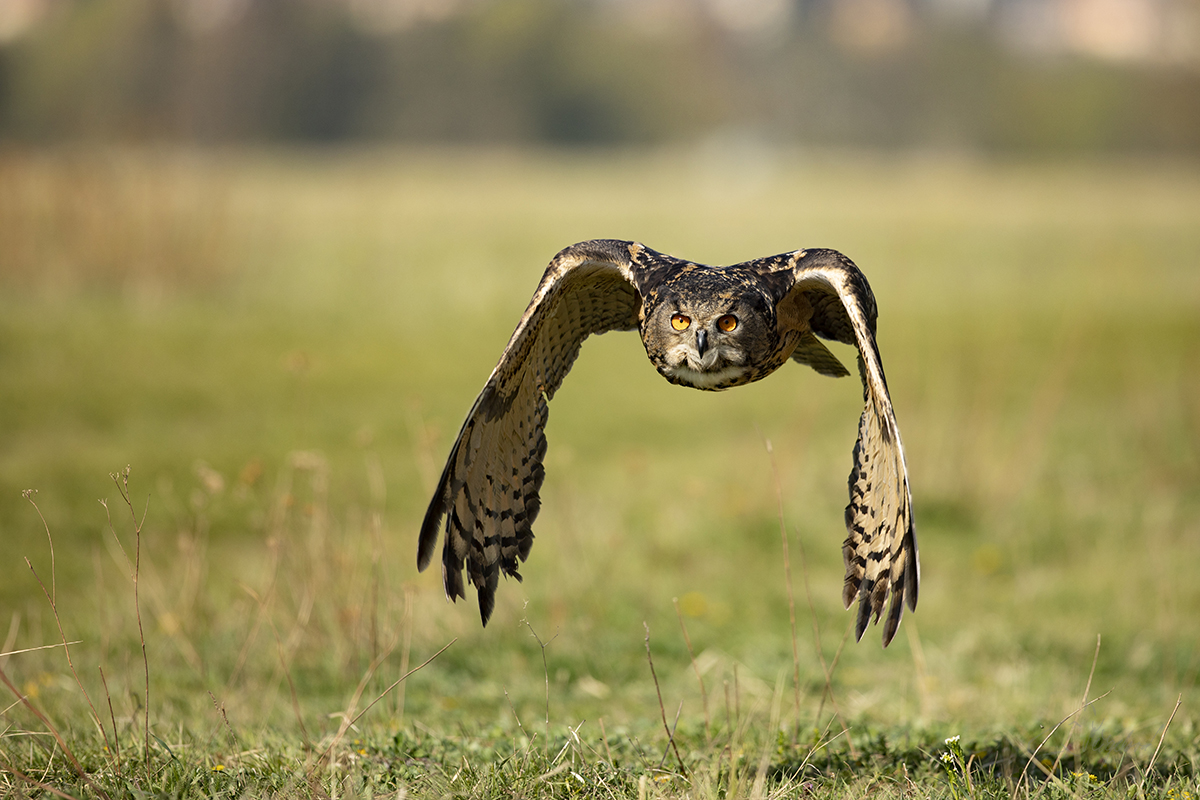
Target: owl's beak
[[701, 341]]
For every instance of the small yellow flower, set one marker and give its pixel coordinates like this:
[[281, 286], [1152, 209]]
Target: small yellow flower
[[218, 768]]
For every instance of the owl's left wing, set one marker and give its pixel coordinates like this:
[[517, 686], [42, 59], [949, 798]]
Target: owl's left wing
[[880, 551], [488, 491]]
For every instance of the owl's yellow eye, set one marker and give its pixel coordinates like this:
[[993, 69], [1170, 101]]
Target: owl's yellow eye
[[680, 322], [727, 322]]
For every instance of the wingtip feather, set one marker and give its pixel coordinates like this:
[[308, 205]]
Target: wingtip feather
[[487, 604], [912, 575], [863, 617], [429, 533]]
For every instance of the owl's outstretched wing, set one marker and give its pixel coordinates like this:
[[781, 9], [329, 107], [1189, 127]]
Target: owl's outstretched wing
[[488, 492], [880, 550]]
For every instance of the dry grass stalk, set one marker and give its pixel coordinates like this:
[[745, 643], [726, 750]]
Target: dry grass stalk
[[661, 709], [121, 479]]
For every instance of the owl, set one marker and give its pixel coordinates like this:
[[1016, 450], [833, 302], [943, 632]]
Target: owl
[[704, 327]]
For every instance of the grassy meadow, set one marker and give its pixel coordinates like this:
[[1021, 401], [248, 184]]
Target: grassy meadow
[[256, 361]]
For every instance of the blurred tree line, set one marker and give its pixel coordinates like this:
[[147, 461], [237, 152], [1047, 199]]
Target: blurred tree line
[[854, 72]]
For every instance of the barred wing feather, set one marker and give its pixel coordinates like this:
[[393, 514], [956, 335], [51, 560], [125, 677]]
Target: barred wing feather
[[488, 491], [880, 550]]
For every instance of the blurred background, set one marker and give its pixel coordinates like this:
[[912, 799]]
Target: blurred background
[[992, 75], [266, 252]]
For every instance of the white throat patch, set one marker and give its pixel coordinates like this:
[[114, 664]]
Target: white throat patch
[[706, 380]]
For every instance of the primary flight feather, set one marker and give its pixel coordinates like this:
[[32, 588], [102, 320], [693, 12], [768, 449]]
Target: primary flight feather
[[705, 327]]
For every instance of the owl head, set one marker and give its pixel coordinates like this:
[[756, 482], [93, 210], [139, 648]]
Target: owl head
[[708, 330]]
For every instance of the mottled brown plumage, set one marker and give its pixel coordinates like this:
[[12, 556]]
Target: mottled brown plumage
[[705, 327]]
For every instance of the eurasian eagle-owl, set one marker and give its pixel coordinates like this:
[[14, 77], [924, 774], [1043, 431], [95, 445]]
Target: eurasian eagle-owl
[[705, 327]]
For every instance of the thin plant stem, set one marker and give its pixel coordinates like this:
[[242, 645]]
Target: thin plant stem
[[347, 720], [764, 761], [1161, 739], [662, 710], [674, 725], [346, 725], [121, 479], [287, 674], [220, 709], [604, 738], [516, 716], [112, 718], [1036, 750], [28, 495], [40, 647], [1082, 703], [545, 671]]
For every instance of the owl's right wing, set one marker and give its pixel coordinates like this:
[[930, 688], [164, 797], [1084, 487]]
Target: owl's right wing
[[488, 491], [880, 550]]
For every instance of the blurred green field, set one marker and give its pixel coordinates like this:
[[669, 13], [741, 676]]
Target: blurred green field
[[281, 346]]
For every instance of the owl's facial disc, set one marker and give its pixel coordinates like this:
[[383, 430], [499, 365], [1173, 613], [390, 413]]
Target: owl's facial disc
[[702, 354]]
